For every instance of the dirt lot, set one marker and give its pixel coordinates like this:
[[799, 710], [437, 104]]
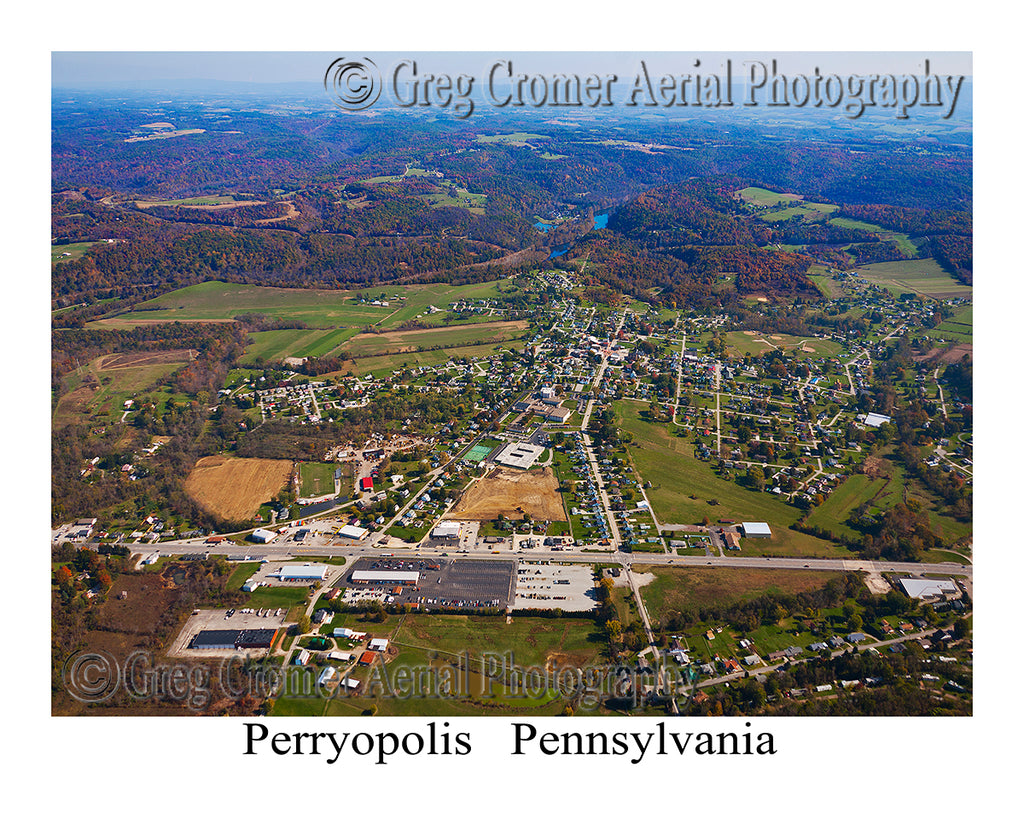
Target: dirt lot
[[513, 493], [234, 488]]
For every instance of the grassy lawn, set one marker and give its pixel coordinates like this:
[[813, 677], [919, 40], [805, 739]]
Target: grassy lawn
[[271, 597], [242, 572]]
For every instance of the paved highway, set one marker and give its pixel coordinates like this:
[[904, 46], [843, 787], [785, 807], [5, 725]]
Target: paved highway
[[277, 551]]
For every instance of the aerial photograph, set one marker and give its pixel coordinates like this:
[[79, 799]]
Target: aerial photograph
[[517, 384]]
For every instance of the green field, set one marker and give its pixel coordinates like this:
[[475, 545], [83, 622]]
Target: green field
[[678, 589], [762, 196], [316, 479], [675, 473], [195, 201], [958, 327], [385, 364], [473, 202], [220, 301], [901, 240], [242, 572], [455, 336], [433, 643], [75, 250], [922, 276], [854, 491], [811, 211]]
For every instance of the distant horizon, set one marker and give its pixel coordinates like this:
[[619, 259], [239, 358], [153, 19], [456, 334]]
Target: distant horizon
[[71, 69]]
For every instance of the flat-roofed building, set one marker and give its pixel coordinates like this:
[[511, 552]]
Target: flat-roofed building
[[353, 532], [756, 530], [221, 639], [305, 573], [263, 535], [520, 456], [447, 530], [923, 588], [385, 578]]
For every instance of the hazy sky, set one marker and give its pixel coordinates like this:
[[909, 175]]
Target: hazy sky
[[83, 68]]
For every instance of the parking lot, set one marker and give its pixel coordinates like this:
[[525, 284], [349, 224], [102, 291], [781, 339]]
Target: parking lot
[[444, 583], [555, 586]]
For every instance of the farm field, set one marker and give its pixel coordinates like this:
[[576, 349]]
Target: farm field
[[676, 474], [473, 202], [271, 345], [901, 240], [398, 341], [234, 488], [678, 589], [922, 276], [810, 211], [834, 512], [534, 641], [386, 364], [512, 493]]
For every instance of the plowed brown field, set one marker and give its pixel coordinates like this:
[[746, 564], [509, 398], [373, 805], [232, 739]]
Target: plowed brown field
[[234, 488]]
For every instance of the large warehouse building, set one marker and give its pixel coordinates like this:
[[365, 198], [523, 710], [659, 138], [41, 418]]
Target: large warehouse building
[[232, 639], [386, 578], [757, 530], [301, 574]]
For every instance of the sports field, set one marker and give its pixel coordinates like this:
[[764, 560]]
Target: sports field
[[478, 453], [756, 343], [234, 488], [316, 479]]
